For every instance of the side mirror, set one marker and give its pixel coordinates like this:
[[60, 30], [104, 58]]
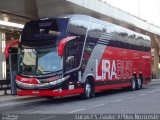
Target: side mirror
[[9, 45], [62, 44]]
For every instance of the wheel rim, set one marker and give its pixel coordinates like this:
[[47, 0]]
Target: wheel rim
[[139, 82], [88, 90], [133, 84]]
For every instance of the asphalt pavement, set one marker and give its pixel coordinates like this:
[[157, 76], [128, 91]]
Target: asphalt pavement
[[119, 101]]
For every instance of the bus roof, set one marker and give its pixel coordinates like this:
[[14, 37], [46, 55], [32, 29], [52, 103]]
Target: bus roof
[[86, 17]]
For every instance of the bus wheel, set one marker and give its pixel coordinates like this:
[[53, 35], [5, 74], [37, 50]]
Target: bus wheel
[[139, 83], [88, 90], [133, 86]]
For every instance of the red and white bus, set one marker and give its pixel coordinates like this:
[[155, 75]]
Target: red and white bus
[[79, 54]]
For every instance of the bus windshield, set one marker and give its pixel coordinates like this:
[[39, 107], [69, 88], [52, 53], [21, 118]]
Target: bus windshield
[[39, 61], [48, 30]]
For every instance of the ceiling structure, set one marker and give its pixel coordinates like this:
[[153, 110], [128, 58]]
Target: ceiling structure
[[21, 11]]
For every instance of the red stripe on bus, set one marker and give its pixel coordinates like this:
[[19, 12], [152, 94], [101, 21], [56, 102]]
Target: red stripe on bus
[[49, 92], [108, 87]]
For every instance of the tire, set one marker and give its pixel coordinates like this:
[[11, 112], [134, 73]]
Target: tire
[[133, 85], [88, 90], [139, 83]]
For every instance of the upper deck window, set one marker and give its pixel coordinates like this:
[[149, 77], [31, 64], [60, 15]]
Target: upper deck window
[[44, 30]]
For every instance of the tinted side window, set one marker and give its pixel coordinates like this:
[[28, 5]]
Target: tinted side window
[[70, 55], [148, 45], [78, 28], [98, 34], [74, 48]]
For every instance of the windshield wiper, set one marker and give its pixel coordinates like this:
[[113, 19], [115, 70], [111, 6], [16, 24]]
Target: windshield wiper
[[46, 71]]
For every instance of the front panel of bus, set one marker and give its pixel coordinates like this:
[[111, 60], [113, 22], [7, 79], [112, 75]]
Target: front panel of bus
[[43, 70]]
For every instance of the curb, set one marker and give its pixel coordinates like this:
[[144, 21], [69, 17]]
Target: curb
[[155, 80], [8, 98]]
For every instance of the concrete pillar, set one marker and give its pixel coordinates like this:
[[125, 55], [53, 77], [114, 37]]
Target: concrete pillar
[[156, 63], [30, 8], [2, 58]]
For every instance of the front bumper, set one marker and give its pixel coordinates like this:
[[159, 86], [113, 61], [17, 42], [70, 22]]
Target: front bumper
[[53, 93], [48, 85]]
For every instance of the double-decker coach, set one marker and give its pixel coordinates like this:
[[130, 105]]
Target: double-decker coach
[[79, 54]]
